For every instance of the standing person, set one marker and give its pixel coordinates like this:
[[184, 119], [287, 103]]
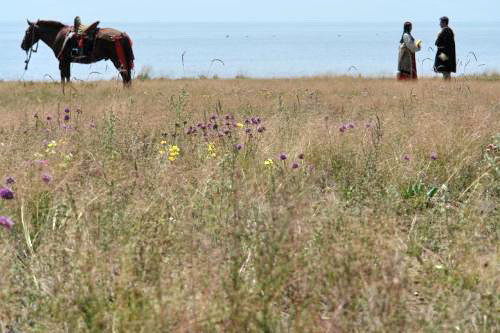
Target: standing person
[[446, 61], [407, 64]]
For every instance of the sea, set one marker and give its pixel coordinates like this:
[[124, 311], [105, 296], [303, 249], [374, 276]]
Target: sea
[[262, 50]]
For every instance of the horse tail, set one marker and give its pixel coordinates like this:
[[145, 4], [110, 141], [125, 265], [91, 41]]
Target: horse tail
[[129, 53]]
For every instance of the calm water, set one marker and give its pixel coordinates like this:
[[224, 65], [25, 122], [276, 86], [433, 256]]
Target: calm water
[[263, 50]]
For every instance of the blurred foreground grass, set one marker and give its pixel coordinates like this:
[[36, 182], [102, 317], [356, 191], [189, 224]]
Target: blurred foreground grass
[[322, 204]]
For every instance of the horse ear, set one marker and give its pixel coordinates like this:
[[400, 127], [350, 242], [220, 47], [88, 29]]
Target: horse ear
[[29, 22]]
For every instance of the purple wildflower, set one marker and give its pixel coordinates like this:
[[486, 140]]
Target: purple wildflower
[[6, 194], [261, 129], [92, 125], [239, 146], [351, 125], [248, 130], [283, 156], [41, 162], [10, 180], [47, 178], [66, 117], [434, 156], [215, 126], [254, 121], [213, 117], [295, 165], [342, 128], [368, 125], [247, 121], [406, 157], [301, 156], [6, 222], [66, 110], [49, 118]]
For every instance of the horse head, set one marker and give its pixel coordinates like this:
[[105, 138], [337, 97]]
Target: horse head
[[31, 36]]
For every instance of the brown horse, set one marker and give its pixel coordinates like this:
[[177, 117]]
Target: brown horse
[[109, 44]]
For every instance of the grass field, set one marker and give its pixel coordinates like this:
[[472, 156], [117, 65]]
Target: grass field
[[318, 205]]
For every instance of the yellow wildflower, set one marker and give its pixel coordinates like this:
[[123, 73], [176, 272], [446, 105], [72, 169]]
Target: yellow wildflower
[[240, 125], [173, 152], [163, 142], [269, 162], [212, 151]]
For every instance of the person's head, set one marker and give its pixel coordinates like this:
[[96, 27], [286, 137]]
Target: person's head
[[407, 27], [444, 21], [77, 22]]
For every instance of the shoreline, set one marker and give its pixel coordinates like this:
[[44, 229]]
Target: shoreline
[[479, 77]]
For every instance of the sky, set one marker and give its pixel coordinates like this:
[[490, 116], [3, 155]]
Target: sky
[[251, 10]]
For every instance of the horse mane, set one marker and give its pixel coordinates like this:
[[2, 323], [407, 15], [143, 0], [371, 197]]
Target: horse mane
[[51, 24]]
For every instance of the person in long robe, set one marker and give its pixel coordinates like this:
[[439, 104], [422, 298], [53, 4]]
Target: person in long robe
[[407, 64], [446, 61]]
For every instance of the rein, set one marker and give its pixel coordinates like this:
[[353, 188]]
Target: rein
[[32, 49]]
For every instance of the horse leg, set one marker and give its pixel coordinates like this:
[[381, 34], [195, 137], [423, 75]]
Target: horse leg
[[65, 68], [126, 74]]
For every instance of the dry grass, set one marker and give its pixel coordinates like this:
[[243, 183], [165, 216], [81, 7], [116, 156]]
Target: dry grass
[[356, 239]]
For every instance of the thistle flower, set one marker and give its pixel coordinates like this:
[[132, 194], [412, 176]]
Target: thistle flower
[[248, 130], [10, 180], [406, 157], [66, 110], [6, 194], [434, 156], [261, 129], [283, 156], [46, 178], [238, 146], [295, 165], [351, 125], [6, 222], [41, 162], [49, 118], [342, 128], [301, 156], [66, 117]]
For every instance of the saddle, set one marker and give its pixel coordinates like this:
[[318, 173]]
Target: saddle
[[81, 45]]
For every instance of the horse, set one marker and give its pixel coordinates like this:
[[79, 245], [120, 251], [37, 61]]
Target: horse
[[108, 44]]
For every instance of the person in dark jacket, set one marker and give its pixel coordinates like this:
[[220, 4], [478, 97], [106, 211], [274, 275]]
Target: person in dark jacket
[[446, 61]]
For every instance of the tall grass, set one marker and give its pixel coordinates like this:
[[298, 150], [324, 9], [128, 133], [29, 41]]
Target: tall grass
[[388, 222]]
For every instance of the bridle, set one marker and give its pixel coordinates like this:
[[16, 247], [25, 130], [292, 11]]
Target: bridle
[[32, 48]]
